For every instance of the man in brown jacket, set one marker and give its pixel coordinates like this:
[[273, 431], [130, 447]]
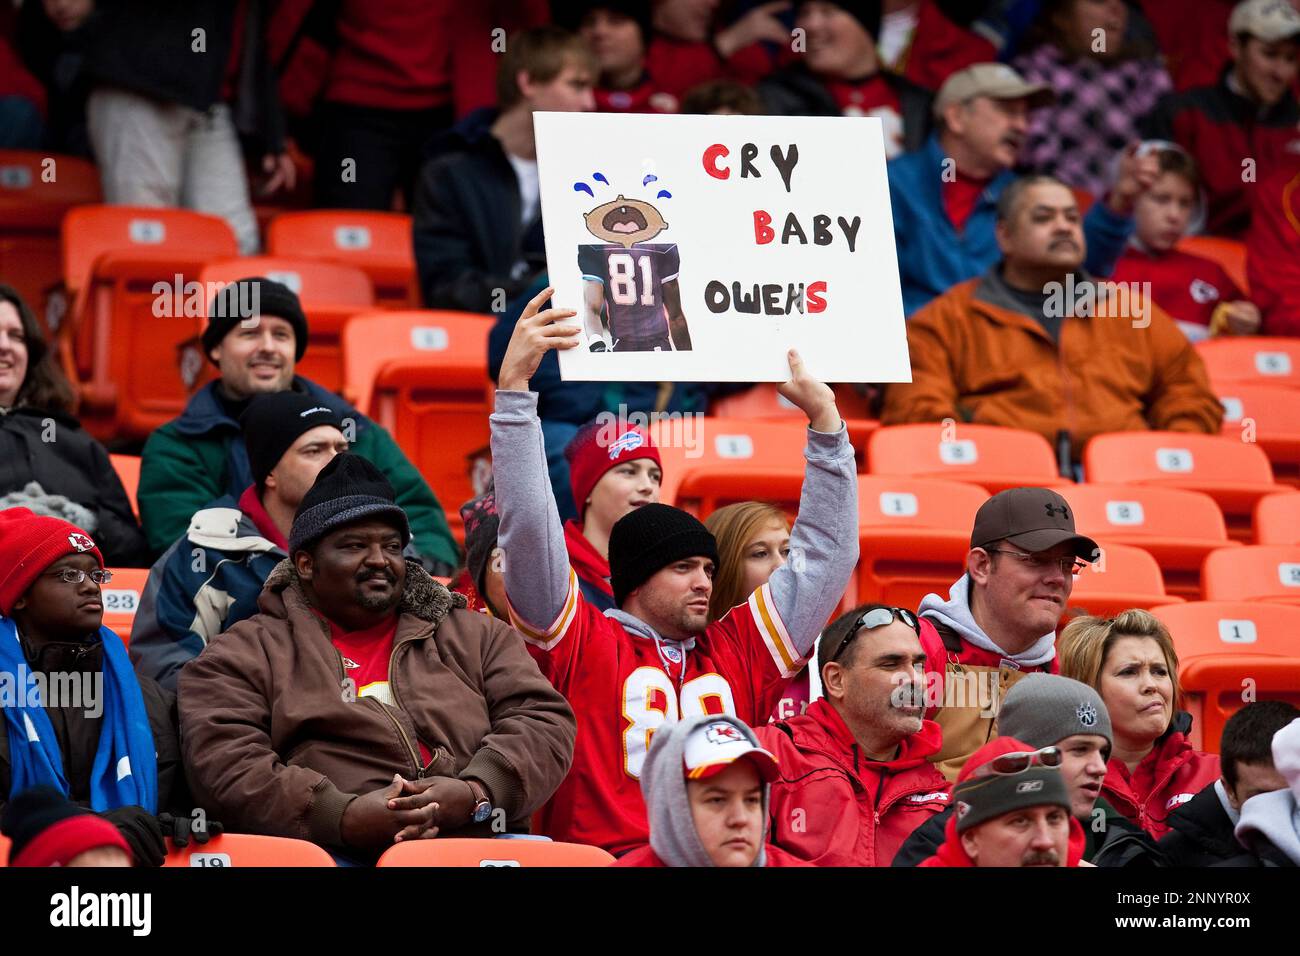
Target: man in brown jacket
[[1038, 344], [364, 705]]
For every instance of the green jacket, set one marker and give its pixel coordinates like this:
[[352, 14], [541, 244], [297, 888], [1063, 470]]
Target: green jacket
[[200, 456]]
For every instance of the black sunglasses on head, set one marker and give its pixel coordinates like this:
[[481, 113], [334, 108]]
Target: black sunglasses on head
[[876, 617]]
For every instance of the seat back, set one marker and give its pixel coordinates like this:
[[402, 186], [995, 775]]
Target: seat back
[[1254, 360], [987, 455], [128, 471], [711, 462], [377, 243], [1257, 573], [1277, 519], [913, 536], [1226, 649], [36, 190], [129, 342], [330, 294], [122, 599], [1178, 528], [1270, 416], [1230, 254], [463, 852], [763, 402], [246, 849], [4, 850], [1234, 473], [1122, 577], [423, 376]]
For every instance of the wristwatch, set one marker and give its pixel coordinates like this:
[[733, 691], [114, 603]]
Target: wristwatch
[[482, 805]]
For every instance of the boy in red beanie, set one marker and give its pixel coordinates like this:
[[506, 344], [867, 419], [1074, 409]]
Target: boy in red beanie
[[78, 720], [1013, 809], [612, 470]]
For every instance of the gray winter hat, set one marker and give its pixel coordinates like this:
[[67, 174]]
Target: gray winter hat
[[1044, 709]]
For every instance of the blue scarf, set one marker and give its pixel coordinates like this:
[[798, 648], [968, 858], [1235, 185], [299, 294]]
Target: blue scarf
[[125, 770]]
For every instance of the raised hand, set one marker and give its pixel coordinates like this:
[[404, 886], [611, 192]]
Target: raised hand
[[535, 334], [814, 398]]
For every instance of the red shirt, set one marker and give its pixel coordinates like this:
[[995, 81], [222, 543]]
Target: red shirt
[[394, 54], [939, 48], [366, 656], [676, 66], [623, 687], [872, 97], [645, 97], [1187, 286], [960, 197], [251, 505]]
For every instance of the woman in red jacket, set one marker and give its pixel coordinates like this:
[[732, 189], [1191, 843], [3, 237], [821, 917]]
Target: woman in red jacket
[[1130, 661]]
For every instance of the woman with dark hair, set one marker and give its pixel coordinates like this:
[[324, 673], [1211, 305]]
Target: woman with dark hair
[[1105, 85], [47, 463]]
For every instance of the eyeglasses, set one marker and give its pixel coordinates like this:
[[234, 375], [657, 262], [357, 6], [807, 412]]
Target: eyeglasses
[[1070, 565], [876, 617], [76, 576], [1010, 764]]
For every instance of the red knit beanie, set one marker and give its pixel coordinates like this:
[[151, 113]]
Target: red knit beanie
[[30, 543], [598, 447]]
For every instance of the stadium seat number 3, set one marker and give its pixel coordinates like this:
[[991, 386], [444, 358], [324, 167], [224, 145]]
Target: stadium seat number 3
[[650, 701], [622, 279]]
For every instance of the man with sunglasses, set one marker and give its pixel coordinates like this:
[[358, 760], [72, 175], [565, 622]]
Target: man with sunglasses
[[999, 621], [1012, 809], [76, 717], [854, 772], [1047, 710]]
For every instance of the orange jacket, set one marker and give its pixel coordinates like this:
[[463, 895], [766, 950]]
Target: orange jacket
[[977, 357]]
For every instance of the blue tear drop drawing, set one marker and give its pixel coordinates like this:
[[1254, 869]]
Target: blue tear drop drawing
[[583, 188], [600, 178], [649, 179], [664, 194]]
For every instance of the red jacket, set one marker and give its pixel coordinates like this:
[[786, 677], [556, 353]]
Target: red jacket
[[676, 66], [939, 48], [1166, 778], [832, 806], [644, 856], [951, 853], [1273, 249], [1187, 286]]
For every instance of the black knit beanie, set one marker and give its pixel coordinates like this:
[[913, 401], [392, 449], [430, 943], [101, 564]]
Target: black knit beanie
[[574, 12], [481, 523], [248, 298], [866, 12], [348, 489], [652, 537], [273, 422]]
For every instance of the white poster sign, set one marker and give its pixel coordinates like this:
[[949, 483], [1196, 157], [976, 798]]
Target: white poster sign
[[702, 248]]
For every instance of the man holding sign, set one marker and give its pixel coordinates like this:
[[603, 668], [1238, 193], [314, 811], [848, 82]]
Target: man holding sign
[[654, 658]]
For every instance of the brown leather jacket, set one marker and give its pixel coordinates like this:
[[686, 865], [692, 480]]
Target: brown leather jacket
[[275, 744]]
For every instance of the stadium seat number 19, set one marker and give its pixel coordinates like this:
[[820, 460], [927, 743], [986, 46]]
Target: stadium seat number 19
[[650, 701], [622, 279]]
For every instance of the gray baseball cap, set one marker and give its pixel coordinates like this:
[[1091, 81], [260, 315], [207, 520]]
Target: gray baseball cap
[[1269, 20], [995, 80]]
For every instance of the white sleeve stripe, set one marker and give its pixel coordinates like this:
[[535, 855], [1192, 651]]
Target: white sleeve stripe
[[551, 636], [772, 630]]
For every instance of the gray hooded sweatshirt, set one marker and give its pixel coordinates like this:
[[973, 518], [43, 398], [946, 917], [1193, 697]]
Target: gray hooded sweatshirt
[[956, 614], [663, 784]]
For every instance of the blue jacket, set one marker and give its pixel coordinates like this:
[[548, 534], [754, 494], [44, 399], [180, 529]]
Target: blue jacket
[[204, 584], [933, 257]]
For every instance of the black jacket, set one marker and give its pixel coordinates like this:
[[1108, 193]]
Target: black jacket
[[149, 47], [1201, 833], [469, 240], [797, 92], [51, 448], [78, 734]]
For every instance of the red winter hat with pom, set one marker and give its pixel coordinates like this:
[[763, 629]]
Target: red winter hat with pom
[[30, 543]]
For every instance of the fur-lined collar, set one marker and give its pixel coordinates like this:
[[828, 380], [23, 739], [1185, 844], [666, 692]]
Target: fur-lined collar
[[422, 596]]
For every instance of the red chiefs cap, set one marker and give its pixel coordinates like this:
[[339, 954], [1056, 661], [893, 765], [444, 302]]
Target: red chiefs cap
[[713, 747], [30, 543]]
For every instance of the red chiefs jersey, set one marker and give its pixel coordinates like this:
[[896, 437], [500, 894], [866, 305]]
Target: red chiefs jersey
[[623, 687], [1187, 286]]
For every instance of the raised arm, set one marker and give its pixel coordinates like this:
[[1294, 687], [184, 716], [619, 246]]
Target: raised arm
[[536, 560]]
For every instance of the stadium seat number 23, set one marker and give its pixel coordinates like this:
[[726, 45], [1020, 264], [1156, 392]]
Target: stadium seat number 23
[[650, 701]]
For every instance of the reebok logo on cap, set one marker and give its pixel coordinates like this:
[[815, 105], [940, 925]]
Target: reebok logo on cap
[[315, 411], [1029, 786]]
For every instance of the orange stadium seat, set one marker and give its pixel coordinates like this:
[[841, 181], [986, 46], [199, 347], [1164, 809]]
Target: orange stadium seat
[[1251, 359], [1277, 519], [995, 458], [1234, 473], [1228, 253], [1121, 578], [1230, 652], [36, 190], [711, 462], [128, 470], [134, 366], [1178, 528], [463, 852], [246, 849], [377, 243], [1270, 416], [330, 294], [122, 599], [423, 376], [913, 535], [762, 402], [4, 850], [1262, 572]]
